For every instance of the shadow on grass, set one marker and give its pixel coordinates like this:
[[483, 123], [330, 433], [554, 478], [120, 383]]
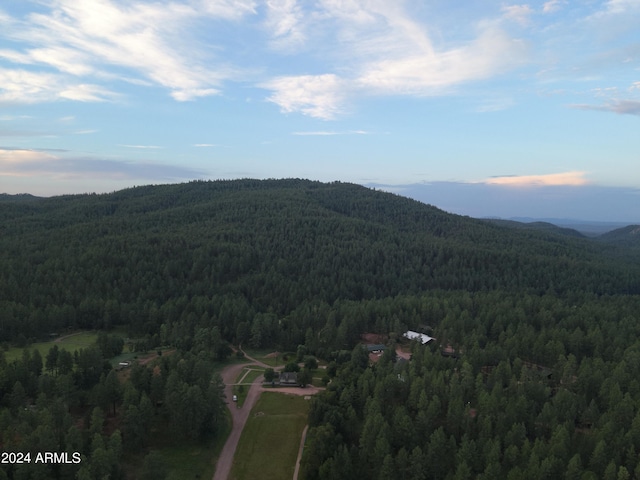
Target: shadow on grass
[[184, 459]]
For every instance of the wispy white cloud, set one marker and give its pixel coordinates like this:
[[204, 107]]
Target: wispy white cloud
[[574, 178], [22, 149], [320, 96], [323, 133], [141, 146], [614, 19], [347, 49], [13, 132], [227, 9], [90, 38], [35, 163], [205, 145], [552, 6], [383, 50], [22, 86], [285, 24], [518, 13], [64, 59], [188, 94], [317, 133], [11, 118], [621, 107], [87, 93], [493, 52], [21, 157], [495, 105], [622, 6]]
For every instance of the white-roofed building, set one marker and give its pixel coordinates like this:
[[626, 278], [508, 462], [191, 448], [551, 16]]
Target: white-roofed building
[[421, 337]]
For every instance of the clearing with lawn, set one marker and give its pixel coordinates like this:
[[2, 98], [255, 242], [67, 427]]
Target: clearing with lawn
[[271, 438]]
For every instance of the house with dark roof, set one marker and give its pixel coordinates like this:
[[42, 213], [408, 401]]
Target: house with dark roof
[[288, 379], [376, 348]]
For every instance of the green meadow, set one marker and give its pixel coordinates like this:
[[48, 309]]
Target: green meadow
[[70, 343], [271, 438]]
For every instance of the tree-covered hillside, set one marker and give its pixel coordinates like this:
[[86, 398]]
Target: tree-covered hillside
[[233, 250]]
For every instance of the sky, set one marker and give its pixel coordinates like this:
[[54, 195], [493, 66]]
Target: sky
[[486, 108]]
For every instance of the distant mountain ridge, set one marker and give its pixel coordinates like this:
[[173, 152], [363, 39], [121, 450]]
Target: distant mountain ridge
[[586, 227], [19, 197], [538, 225], [626, 237]]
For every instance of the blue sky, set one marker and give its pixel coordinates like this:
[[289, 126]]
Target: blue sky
[[483, 96]]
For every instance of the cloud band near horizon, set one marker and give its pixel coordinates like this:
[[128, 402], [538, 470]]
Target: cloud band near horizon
[[574, 178], [25, 163]]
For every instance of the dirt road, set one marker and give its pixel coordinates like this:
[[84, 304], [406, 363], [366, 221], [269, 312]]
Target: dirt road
[[59, 339], [239, 417], [300, 450]]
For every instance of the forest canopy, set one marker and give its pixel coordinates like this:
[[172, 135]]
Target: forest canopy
[[231, 252]]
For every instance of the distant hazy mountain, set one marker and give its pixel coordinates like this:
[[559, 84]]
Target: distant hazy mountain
[[547, 226], [599, 208], [626, 236], [588, 228]]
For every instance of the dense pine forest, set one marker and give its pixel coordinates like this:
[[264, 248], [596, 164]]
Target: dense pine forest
[[544, 325]]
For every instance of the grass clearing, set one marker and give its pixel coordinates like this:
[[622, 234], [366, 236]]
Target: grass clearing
[[70, 343], [190, 461], [317, 382], [249, 374], [266, 356], [270, 440]]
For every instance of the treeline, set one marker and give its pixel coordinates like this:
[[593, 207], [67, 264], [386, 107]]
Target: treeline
[[233, 250], [538, 387]]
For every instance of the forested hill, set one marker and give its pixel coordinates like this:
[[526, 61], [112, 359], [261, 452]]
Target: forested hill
[[544, 226], [627, 237], [235, 249]]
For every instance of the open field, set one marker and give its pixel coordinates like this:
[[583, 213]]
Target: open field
[[270, 441], [68, 342], [249, 374]]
